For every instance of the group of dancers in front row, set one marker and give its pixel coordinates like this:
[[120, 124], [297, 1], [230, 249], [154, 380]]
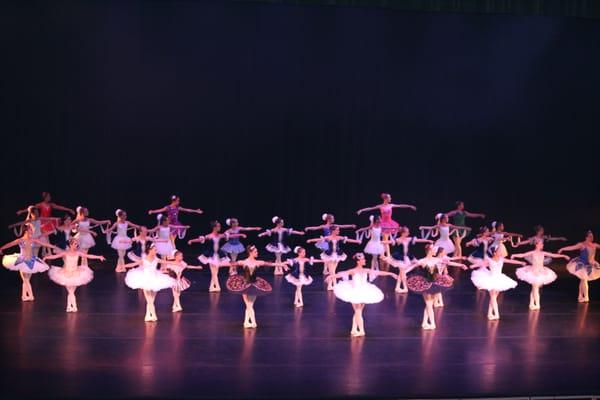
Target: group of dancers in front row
[[155, 263]]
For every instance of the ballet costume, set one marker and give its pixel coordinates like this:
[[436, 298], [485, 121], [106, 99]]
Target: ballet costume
[[431, 284], [499, 242], [547, 260], [71, 275], [492, 279], [331, 257], [136, 251], [358, 290], [181, 284], [148, 277], [37, 234], [298, 277], [173, 214], [586, 268], [164, 246], [233, 247], [62, 238], [85, 240], [26, 263], [459, 219], [322, 244], [215, 258], [248, 283], [121, 241], [402, 258], [481, 251], [388, 225], [278, 246], [50, 223], [374, 247], [536, 275], [444, 240]]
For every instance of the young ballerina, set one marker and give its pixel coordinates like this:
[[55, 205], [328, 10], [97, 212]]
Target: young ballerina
[[445, 262], [536, 274], [121, 242], [481, 243], [334, 253], [249, 285], [539, 234], [172, 210], [175, 270], [46, 206], [298, 276], [488, 276], [428, 282], [71, 275], [33, 218], [328, 221], [213, 255], [25, 262], [374, 246], [85, 234], [233, 246], [147, 277], [444, 229], [585, 267], [62, 232], [388, 225], [278, 235], [165, 246], [358, 291], [403, 257], [458, 217], [500, 236]]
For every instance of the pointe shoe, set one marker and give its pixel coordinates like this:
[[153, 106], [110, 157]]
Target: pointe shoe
[[399, 290], [299, 305], [148, 318], [247, 325], [426, 326], [176, 309], [214, 289], [354, 333]]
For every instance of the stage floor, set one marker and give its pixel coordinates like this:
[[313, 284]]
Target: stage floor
[[108, 350]]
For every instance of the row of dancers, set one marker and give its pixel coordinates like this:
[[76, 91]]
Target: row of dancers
[[155, 263]]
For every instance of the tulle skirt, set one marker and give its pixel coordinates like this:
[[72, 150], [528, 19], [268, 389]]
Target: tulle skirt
[[584, 271], [238, 284], [181, 284], [85, 240], [164, 248], [484, 279], [389, 226], [322, 245], [15, 262], [121, 243], [214, 260], [80, 276], [278, 248], [334, 257], [148, 279], [302, 280], [400, 264], [362, 293], [536, 276], [374, 248], [445, 244], [233, 248], [419, 284]]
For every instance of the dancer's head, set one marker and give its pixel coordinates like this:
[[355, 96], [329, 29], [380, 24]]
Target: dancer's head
[[278, 222], [73, 244], [328, 218], [121, 214], [430, 250], [32, 212], [82, 212], [150, 249], [175, 200], [215, 226], [360, 259], [460, 205], [539, 244], [538, 230], [27, 230], [46, 197], [300, 251], [178, 256], [589, 236], [404, 231], [498, 226], [232, 222], [375, 220], [386, 197], [439, 251], [143, 230], [252, 251], [484, 231], [162, 219], [441, 218], [335, 230]]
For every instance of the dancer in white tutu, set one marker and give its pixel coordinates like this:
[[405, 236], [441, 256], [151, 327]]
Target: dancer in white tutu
[[71, 274], [233, 247], [147, 277], [500, 236], [121, 242], [540, 234], [334, 252], [328, 222], [213, 255], [444, 229], [488, 276], [175, 270], [299, 276], [25, 262], [374, 246], [178, 230], [165, 245], [585, 267], [536, 274], [84, 226], [458, 217], [402, 256], [278, 246], [358, 291]]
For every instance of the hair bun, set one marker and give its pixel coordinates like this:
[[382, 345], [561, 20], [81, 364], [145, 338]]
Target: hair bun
[[439, 216], [118, 211], [228, 221], [297, 249], [275, 219], [371, 218], [324, 216]]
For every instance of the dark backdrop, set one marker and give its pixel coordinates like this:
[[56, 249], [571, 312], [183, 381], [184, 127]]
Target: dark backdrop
[[252, 110]]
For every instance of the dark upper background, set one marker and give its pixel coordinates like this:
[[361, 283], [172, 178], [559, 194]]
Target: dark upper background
[[251, 110]]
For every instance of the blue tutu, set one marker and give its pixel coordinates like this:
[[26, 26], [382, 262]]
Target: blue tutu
[[233, 248]]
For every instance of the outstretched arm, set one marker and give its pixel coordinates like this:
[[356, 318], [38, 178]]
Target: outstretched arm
[[522, 255], [577, 246], [133, 264], [516, 262], [315, 240], [366, 228], [429, 227], [455, 264], [314, 228], [98, 222], [382, 273], [48, 245], [249, 228], [362, 210], [404, 206], [56, 256], [191, 210], [348, 240], [462, 228], [293, 232], [158, 210], [62, 208], [556, 238], [265, 233], [199, 239], [91, 256], [424, 241], [555, 255], [474, 215]]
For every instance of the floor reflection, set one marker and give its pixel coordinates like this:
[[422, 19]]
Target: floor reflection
[[354, 378]]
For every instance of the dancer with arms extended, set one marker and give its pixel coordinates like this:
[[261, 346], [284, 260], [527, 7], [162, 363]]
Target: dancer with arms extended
[[444, 229], [121, 242], [172, 210], [85, 235], [585, 267], [46, 206], [175, 270], [278, 246], [328, 222], [233, 247], [299, 276], [458, 217]]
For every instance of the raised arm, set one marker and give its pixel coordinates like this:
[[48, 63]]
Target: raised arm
[[577, 246], [474, 215], [314, 228], [62, 208], [362, 210], [199, 239], [404, 206], [157, 211], [191, 210]]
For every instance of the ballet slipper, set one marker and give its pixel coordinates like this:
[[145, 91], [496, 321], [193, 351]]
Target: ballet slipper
[[176, 309]]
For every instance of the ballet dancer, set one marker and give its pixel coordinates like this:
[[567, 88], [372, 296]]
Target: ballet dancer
[[389, 226], [165, 246], [278, 235], [585, 267], [175, 270], [233, 246], [172, 210], [403, 257], [298, 275], [147, 277], [539, 234], [213, 255], [249, 285], [334, 253], [488, 276], [62, 231], [374, 246], [536, 274], [328, 221], [85, 235], [71, 275], [500, 236], [26, 262], [46, 206], [444, 229], [458, 217], [445, 262], [121, 242], [33, 218], [358, 291], [481, 243]]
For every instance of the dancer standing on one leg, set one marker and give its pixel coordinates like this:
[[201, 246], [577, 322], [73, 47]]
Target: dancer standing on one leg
[[489, 276], [72, 275], [585, 267], [121, 242], [233, 246], [403, 258], [278, 235], [374, 246], [178, 230], [458, 217], [26, 262], [328, 221], [299, 276], [334, 253], [175, 270], [358, 291], [536, 274], [85, 234], [147, 277], [249, 285], [445, 229]]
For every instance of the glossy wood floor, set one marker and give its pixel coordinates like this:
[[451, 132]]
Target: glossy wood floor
[[108, 350]]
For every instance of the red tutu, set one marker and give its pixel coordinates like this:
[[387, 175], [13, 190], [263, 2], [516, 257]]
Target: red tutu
[[421, 285], [239, 284]]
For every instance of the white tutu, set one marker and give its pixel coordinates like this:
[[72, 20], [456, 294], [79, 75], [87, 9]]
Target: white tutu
[[164, 248], [302, 280], [400, 264], [445, 244], [148, 279], [334, 257], [583, 271], [536, 276], [80, 276], [15, 262], [547, 260], [358, 290], [85, 240], [214, 260], [121, 243], [235, 248], [279, 248], [485, 279], [374, 248]]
